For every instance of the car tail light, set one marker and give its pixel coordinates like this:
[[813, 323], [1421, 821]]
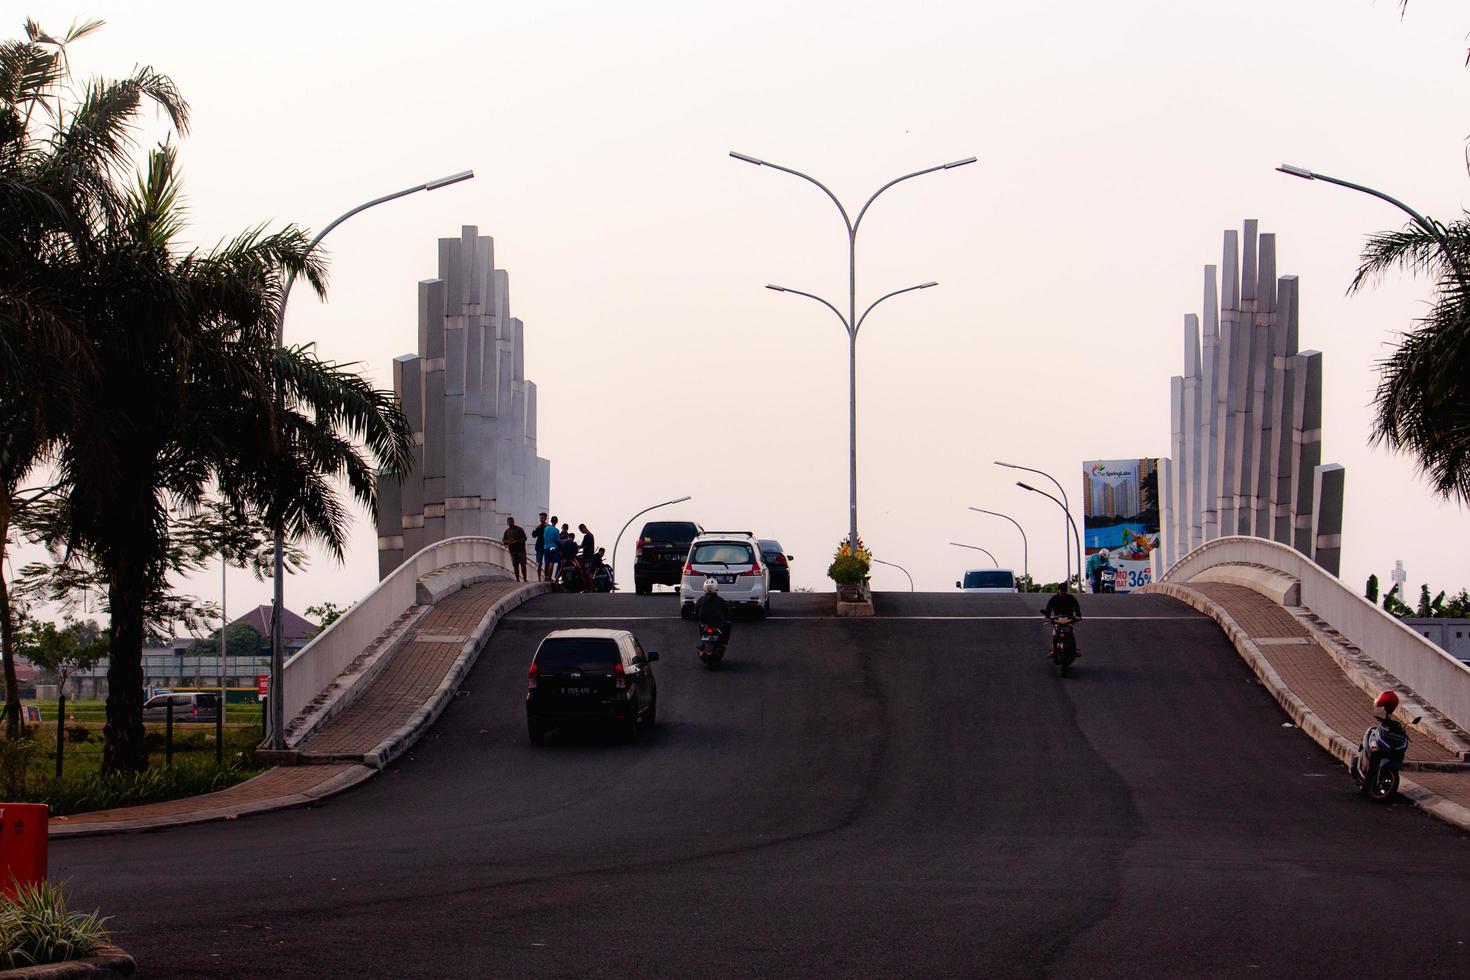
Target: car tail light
[[620, 677], [531, 678], [688, 568], [638, 548], [779, 560], [753, 570], [194, 711]]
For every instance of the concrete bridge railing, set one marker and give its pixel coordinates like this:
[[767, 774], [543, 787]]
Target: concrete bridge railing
[[1432, 673], [318, 664]]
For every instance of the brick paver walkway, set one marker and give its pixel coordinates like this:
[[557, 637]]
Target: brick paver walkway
[[1312, 675], [271, 784], [415, 672]]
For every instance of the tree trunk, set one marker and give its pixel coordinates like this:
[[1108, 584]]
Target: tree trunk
[[13, 724], [123, 748]]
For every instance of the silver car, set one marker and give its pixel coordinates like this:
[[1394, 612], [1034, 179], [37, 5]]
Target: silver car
[[733, 560], [189, 706]]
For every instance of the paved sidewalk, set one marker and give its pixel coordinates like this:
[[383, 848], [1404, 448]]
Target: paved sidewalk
[[415, 672], [1311, 673], [408, 685]]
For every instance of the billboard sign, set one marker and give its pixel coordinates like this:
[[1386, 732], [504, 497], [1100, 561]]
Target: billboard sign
[[1120, 513]]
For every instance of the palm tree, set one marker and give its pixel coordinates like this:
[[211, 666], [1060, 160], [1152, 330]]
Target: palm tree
[[1422, 406]]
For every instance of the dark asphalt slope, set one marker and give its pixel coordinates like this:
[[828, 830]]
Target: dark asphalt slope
[[913, 795]]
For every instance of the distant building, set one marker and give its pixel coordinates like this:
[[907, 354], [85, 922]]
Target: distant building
[[171, 664], [1450, 635]]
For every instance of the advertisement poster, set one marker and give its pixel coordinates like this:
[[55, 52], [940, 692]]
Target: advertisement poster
[[1120, 507]]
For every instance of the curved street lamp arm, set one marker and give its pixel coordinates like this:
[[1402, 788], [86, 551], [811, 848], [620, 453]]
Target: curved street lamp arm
[[898, 180], [1027, 486], [1025, 546], [840, 317], [906, 289], [851, 228], [619, 538], [429, 185], [1066, 506], [879, 561], [976, 547]]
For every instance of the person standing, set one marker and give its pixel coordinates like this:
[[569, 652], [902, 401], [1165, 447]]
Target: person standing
[[538, 534], [514, 540], [589, 543], [551, 539]]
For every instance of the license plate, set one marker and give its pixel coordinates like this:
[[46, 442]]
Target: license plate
[[725, 579], [576, 690]]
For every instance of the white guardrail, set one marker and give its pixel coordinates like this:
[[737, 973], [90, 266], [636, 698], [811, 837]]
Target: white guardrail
[[1427, 670], [319, 663]]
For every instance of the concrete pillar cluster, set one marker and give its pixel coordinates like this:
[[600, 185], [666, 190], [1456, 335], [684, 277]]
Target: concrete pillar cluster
[[472, 411], [1246, 417]]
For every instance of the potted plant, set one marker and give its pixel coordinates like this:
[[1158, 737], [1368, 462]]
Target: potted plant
[[849, 569]]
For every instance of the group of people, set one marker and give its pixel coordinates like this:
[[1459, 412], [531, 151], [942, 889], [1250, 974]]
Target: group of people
[[554, 545]]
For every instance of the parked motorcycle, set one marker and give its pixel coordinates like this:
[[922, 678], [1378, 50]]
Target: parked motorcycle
[[581, 574], [1380, 755], [712, 641], [1063, 642]]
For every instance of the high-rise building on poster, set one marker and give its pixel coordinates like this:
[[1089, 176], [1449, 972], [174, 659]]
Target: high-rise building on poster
[[1120, 507]]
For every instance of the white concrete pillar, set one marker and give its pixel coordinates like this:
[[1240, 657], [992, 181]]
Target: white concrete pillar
[[1209, 493]]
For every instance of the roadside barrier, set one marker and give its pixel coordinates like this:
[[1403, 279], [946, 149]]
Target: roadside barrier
[[22, 844]]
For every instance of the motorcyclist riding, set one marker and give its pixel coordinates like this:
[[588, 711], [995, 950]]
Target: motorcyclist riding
[[1097, 563], [1063, 603], [712, 610]]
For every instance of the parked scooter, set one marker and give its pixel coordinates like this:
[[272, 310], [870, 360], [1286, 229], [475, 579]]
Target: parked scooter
[[1380, 756], [1063, 642], [585, 574], [712, 640]]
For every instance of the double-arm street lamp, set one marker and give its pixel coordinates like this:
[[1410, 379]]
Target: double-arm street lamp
[[1025, 548], [278, 602], [1433, 228], [1072, 523], [666, 503], [1066, 509], [851, 321]]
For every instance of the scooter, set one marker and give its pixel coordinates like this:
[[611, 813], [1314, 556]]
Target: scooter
[[1380, 757], [1107, 582], [711, 645], [1063, 642], [585, 574]]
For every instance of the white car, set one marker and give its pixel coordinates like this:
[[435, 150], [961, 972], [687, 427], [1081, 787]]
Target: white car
[[733, 560], [987, 580]]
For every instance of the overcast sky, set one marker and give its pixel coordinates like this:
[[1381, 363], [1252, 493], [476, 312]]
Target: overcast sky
[[1116, 142]]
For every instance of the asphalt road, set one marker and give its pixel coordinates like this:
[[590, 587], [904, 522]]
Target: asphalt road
[[916, 795]]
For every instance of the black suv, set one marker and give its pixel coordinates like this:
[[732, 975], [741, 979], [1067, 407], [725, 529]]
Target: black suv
[[658, 556], [590, 675], [778, 563]]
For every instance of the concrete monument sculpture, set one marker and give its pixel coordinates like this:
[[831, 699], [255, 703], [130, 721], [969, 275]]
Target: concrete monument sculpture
[[472, 411], [1246, 417]]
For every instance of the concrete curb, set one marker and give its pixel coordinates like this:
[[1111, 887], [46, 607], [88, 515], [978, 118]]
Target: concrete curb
[[404, 738], [1304, 717], [342, 781], [109, 963]]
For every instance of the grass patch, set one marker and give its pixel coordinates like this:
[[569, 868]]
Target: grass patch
[[37, 927], [95, 712]]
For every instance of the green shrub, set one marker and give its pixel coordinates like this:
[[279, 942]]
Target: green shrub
[[15, 759], [94, 791], [848, 570], [36, 927], [78, 733]]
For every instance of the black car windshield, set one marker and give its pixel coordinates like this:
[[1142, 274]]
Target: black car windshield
[[721, 553], [989, 580], [668, 531], [577, 653]]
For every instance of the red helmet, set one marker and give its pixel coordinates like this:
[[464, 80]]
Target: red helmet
[[1388, 701]]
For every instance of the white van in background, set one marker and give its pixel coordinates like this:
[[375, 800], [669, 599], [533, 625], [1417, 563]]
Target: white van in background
[[987, 580]]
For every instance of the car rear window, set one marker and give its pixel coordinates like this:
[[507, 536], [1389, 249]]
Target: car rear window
[[989, 580], [669, 531], [716, 552], [577, 653]]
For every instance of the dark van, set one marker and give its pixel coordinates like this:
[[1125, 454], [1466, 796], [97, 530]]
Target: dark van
[[658, 556]]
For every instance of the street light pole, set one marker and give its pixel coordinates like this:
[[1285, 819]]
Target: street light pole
[[1433, 228], [852, 321], [1025, 548], [1066, 509], [880, 561], [277, 709], [974, 547], [1027, 486], [666, 503]]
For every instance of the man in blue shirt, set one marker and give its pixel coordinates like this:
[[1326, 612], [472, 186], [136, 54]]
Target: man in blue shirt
[[550, 540]]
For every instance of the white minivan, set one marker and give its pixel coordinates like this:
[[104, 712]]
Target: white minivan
[[987, 580], [733, 560]]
